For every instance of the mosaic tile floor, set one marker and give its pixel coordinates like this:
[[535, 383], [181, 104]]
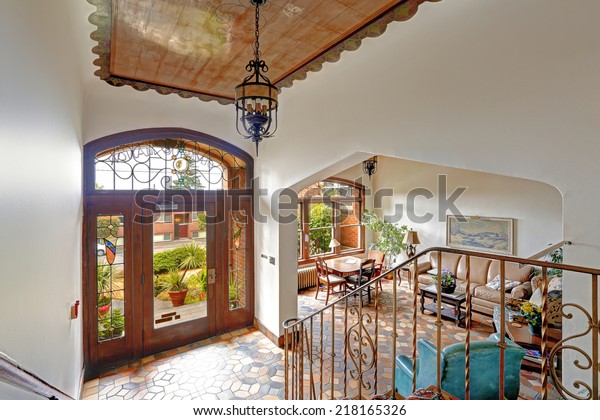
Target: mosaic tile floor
[[246, 365]]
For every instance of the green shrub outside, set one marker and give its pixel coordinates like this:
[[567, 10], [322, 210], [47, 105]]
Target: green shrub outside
[[171, 259]]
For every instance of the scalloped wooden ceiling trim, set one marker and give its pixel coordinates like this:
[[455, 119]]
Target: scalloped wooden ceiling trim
[[200, 48]]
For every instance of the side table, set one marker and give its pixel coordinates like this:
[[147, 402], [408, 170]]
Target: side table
[[406, 272], [519, 334]]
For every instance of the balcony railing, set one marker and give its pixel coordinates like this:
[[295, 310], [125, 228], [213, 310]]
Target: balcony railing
[[348, 349]]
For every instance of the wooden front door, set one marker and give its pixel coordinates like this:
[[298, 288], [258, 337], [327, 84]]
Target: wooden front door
[[130, 312], [162, 206], [168, 323]]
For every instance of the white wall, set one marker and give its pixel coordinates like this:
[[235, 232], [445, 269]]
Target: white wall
[[536, 207], [110, 110], [40, 168], [508, 88]]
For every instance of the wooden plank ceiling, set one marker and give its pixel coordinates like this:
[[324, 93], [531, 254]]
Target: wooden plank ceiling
[[201, 47]]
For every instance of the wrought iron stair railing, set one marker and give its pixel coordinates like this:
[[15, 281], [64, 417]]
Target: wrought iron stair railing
[[347, 350]]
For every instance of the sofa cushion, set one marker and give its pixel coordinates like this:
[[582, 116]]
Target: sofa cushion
[[449, 261], [486, 293], [479, 269], [425, 279], [462, 286], [512, 271], [508, 285]]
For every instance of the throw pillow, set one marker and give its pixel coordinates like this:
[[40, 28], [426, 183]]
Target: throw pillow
[[536, 297], [555, 283], [433, 272], [554, 305], [508, 285]]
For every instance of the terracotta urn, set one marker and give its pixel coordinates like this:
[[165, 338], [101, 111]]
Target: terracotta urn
[[177, 297]]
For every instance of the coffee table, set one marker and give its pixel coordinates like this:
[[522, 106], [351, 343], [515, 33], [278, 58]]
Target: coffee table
[[519, 334], [455, 300]]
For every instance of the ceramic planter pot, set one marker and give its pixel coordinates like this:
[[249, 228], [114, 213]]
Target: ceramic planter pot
[[177, 297], [535, 330], [448, 289]]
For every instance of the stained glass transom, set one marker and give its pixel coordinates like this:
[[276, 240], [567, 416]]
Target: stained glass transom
[[169, 164]]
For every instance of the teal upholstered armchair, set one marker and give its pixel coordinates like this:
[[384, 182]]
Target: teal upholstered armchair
[[485, 369]]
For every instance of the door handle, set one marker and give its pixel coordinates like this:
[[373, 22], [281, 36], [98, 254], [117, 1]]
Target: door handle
[[212, 276]]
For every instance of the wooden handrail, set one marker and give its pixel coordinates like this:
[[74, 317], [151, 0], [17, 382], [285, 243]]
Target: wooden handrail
[[13, 374], [549, 250]]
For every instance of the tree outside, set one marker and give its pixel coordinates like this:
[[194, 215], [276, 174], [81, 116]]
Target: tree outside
[[320, 224]]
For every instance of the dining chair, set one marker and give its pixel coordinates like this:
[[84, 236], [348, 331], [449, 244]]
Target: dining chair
[[365, 274], [379, 257], [327, 279]]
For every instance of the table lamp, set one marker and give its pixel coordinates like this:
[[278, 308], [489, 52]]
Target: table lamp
[[412, 240], [333, 243]]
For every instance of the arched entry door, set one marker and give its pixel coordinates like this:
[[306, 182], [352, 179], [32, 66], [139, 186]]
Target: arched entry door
[[166, 234]]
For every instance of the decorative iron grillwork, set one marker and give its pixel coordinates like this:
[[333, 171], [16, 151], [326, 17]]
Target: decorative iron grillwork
[[169, 164]]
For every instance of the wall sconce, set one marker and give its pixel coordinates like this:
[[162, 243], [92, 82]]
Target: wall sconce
[[412, 240], [370, 166]]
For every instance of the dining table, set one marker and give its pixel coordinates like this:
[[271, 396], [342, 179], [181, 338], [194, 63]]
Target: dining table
[[344, 266]]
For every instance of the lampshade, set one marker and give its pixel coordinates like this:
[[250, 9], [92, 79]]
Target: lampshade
[[411, 238], [333, 243]]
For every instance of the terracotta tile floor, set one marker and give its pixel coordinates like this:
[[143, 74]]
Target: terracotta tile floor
[[246, 365]]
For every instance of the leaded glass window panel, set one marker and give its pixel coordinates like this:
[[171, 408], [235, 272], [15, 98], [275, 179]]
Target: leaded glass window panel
[[168, 164], [110, 277], [238, 221]]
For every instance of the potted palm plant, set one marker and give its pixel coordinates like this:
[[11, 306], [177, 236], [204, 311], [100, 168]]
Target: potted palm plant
[[174, 282]]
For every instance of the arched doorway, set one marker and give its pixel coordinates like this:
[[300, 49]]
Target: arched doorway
[[165, 210]]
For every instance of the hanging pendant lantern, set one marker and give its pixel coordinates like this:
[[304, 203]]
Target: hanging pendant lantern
[[256, 98]]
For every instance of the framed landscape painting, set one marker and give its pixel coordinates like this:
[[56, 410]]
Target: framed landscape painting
[[483, 234]]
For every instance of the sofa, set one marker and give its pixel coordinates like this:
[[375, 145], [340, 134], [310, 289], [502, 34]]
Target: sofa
[[485, 276]]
